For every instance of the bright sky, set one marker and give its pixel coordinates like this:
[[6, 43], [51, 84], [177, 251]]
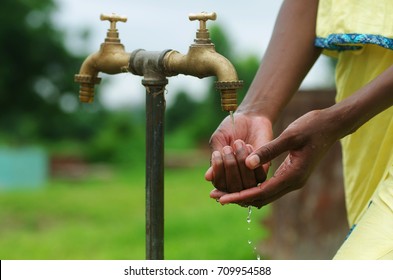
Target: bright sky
[[158, 25]]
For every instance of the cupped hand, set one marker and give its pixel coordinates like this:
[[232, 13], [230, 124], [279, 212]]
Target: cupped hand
[[231, 144]]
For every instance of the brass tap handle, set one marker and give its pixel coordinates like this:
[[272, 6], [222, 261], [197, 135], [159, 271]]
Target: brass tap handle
[[113, 18], [202, 17]]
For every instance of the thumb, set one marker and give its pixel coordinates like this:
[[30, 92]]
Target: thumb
[[267, 152]]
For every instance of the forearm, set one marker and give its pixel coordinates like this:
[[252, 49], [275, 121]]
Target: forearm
[[364, 104], [290, 55]]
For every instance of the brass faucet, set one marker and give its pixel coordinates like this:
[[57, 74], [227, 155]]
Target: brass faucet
[[202, 60], [110, 59]]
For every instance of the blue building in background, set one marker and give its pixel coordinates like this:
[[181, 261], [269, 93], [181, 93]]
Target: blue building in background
[[23, 168]]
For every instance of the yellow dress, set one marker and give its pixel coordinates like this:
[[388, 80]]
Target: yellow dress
[[359, 33]]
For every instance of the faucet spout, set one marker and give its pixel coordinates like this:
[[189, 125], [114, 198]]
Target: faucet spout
[[110, 59], [201, 61]]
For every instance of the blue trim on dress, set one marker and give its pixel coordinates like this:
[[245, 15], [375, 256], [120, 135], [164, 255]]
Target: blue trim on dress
[[350, 231], [352, 41]]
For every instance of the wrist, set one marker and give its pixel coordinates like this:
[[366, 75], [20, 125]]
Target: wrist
[[343, 119]]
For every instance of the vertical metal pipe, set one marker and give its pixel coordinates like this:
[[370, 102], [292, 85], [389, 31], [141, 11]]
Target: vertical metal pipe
[[155, 113]]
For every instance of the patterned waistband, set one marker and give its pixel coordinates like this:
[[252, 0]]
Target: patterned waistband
[[352, 41]]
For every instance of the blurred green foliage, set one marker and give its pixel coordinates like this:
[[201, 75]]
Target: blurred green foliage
[[39, 98], [120, 139], [36, 73], [102, 217]]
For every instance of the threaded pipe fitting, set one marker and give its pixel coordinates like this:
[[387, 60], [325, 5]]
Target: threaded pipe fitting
[[86, 89], [228, 92]]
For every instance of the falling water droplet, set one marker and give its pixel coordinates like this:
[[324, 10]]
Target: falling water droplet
[[232, 116], [249, 215], [249, 241]]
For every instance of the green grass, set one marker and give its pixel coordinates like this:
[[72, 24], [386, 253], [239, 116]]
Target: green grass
[[104, 218]]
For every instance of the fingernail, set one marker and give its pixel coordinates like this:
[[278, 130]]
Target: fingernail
[[227, 150], [253, 160], [238, 145], [216, 154], [250, 149]]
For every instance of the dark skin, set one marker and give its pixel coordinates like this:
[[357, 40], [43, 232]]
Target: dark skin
[[229, 172], [238, 174]]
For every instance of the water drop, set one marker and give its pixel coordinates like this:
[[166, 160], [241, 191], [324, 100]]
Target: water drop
[[249, 214], [233, 124]]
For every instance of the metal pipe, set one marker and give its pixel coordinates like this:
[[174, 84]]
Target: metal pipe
[[149, 65], [155, 110]]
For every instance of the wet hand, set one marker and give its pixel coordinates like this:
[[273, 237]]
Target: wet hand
[[230, 147], [306, 140], [228, 171]]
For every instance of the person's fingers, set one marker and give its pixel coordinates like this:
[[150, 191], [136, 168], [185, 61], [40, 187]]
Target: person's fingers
[[216, 194], [247, 175], [218, 171], [267, 152], [286, 179], [232, 174], [250, 149], [262, 194], [209, 174], [259, 173], [259, 202]]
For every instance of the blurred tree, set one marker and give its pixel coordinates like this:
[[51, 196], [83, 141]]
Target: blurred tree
[[37, 91], [181, 112], [119, 140]]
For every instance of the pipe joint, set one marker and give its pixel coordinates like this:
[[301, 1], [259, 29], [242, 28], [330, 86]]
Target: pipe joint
[[148, 64]]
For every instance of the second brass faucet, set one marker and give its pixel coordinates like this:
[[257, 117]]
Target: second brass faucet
[[202, 60]]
